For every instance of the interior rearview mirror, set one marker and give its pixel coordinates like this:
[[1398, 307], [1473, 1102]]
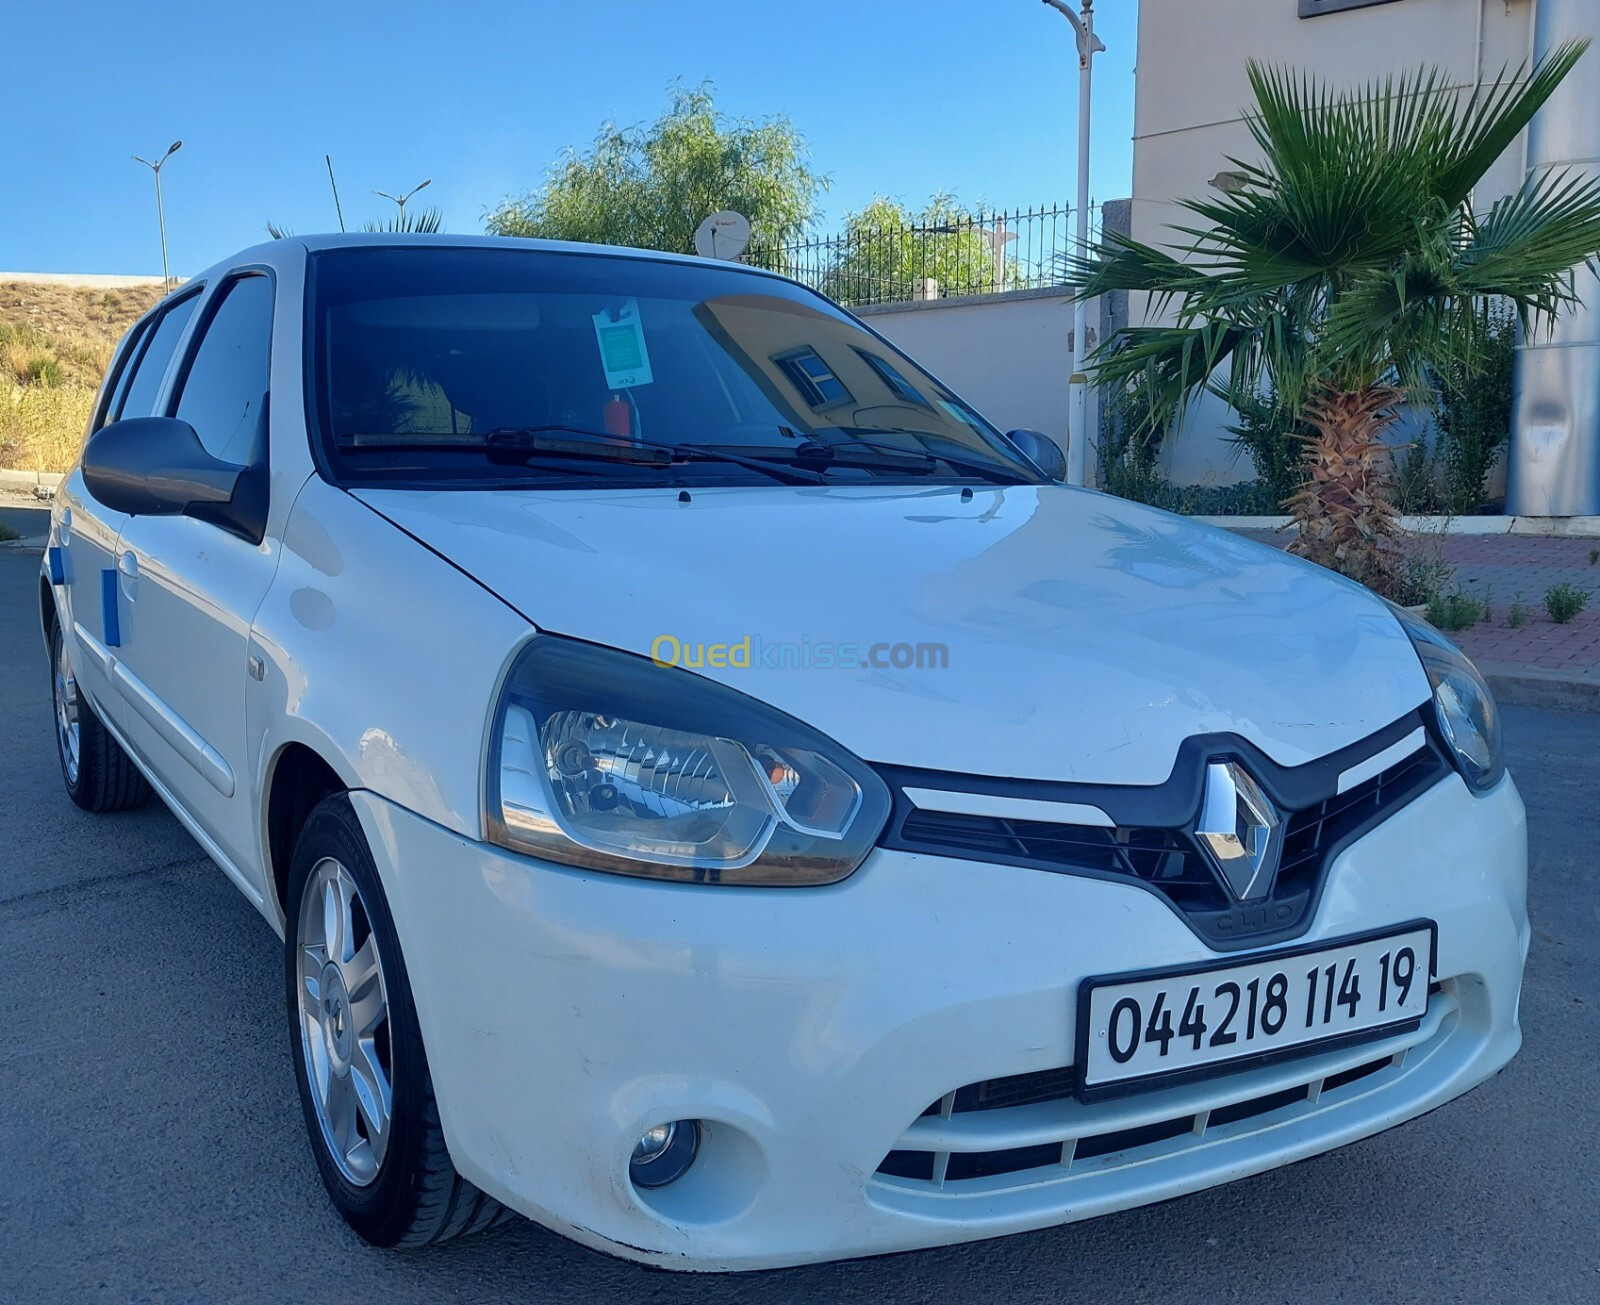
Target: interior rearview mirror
[[1042, 451], [156, 466]]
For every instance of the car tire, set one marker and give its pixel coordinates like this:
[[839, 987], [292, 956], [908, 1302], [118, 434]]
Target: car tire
[[358, 1052], [98, 774]]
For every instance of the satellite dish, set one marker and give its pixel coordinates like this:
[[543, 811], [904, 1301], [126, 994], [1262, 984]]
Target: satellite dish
[[723, 235]]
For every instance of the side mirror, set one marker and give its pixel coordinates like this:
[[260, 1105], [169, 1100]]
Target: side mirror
[[1042, 451], [155, 466]]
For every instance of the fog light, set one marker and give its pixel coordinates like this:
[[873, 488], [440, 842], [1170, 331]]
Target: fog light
[[664, 1153]]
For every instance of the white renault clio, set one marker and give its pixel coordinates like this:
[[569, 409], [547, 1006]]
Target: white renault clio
[[722, 799]]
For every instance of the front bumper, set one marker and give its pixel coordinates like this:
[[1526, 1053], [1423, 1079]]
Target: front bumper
[[565, 1012]]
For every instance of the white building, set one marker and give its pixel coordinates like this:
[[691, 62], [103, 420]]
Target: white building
[[1192, 89]]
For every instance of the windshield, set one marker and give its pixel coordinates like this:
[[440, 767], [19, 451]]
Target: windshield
[[440, 366]]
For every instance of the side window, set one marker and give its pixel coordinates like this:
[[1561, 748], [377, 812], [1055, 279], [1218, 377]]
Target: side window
[[225, 389], [139, 394], [121, 371]]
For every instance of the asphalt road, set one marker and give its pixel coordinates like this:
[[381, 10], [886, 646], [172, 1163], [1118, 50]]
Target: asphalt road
[[151, 1145]]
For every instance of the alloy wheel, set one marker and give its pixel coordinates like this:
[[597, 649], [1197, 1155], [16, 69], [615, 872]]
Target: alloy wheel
[[344, 1022], [69, 732]]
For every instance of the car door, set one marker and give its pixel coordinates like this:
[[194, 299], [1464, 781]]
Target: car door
[[191, 587], [87, 530]]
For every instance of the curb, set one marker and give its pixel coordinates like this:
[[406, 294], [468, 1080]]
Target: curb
[[35, 481], [1546, 527], [1533, 686]]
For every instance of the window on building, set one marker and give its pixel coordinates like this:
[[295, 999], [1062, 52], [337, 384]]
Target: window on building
[[815, 380], [896, 383], [1312, 8]]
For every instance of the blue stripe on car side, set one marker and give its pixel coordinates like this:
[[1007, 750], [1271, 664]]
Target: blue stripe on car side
[[108, 609]]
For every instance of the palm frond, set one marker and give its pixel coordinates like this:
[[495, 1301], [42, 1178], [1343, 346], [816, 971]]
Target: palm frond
[[1496, 115], [1526, 246], [422, 221], [1169, 365], [1122, 263]]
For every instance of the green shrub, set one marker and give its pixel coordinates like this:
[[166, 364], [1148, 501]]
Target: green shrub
[[1130, 444], [1420, 580], [1415, 491], [1454, 611], [1518, 616], [1273, 435], [41, 369], [1564, 601], [1472, 405]]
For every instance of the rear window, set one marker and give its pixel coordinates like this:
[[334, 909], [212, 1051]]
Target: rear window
[[428, 364]]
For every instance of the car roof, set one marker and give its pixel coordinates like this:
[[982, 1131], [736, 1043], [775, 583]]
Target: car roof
[[278, 253]]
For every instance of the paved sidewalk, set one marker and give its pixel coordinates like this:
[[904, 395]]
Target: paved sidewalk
[[1505, 570]]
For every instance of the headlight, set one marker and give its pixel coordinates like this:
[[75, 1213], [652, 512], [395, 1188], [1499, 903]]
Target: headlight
[[1462, 704], [604, 760]]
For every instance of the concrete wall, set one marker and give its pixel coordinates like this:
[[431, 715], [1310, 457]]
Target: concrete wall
[[1192, 87], [1008, 355], [88, 280]]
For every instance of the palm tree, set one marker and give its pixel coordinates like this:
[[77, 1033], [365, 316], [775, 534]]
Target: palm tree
[[1334, 273], [426, 221]]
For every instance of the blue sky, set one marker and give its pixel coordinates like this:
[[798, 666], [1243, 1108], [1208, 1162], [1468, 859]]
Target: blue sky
[[895, 97]]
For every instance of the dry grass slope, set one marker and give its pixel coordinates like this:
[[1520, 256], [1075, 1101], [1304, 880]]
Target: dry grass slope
[[55, 344]]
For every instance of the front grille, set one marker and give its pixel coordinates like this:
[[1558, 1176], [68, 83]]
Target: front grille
[[1169, 861], [1127, 1143], [1167, 858], [1014, 1090], [1308, 834], [1066, 1138]]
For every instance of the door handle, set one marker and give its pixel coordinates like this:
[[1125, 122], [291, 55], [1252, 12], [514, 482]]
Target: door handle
[[128, 565]]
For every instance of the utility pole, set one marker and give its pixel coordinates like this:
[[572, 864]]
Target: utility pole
[[1089, 45], [161, 211]]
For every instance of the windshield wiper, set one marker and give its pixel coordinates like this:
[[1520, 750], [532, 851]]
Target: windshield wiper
[[515, 443], [993, 471], [435, 442], [507, 442]]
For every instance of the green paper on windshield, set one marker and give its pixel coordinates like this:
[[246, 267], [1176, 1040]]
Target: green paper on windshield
[[622, 350]]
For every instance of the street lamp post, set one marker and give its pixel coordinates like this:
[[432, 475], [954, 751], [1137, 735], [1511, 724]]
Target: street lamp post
[[400, 200], [161, 211], [1089, 45]]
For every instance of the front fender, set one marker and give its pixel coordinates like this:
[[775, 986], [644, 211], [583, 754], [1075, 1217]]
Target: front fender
[[381, 657]]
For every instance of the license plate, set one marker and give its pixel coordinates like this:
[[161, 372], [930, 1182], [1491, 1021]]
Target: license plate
[[1157, 1027]]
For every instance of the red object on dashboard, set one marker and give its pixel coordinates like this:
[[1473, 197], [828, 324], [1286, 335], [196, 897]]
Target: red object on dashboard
[[618, 418]]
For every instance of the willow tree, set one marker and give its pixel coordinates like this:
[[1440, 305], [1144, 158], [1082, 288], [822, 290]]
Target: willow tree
[[651, 186], [1342, 266], [887, 248]]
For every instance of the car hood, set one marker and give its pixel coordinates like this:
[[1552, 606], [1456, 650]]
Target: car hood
[[1086, 636]]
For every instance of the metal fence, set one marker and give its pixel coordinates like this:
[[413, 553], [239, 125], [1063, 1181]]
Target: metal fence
[[985, 252]]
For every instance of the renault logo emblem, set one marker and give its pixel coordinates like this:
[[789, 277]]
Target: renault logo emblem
[[1240, 829]]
